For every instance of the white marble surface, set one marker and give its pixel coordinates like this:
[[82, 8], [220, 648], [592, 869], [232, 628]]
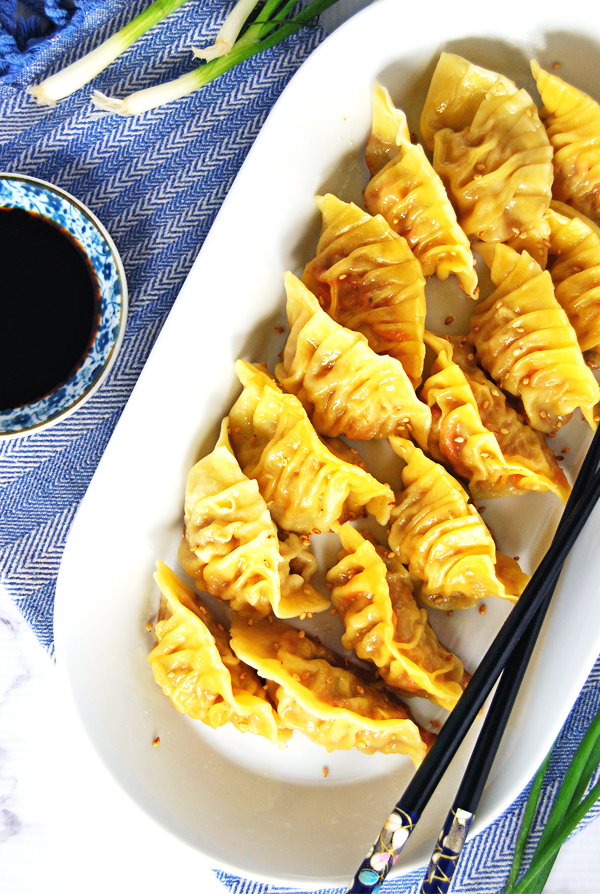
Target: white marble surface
[[65, 825]]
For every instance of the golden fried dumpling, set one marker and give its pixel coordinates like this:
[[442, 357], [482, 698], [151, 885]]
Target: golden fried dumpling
[[230, 545], [329, 704], [384, 624], [344, 386], [475, 432], [498, 170], [456, 91], [193, 664], [575, 270], [572, 120], [366, 277], [408, 193], [443, 540], [525, 341], [306, 486]]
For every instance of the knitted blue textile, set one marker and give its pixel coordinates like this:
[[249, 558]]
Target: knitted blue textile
[[156, 182]]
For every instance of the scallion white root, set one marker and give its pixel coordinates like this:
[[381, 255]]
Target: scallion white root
[[81, 72], [228, 32]]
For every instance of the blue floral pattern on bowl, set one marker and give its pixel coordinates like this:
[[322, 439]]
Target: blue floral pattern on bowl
[[58, 206]]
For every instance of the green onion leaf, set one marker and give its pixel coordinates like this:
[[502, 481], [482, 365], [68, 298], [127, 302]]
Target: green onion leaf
[[81, 72], [529, 884], [526, 824], [566, 814]]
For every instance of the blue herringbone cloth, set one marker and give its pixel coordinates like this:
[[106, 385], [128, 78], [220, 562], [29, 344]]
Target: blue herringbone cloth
[[156, 182]]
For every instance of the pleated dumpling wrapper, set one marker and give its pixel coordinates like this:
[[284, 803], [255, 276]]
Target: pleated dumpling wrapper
[[230, 545], [478, 435], [444, 541], [456, 91], [575, 270], [572, 120], [407, 192], [194, 665], [526, 343], [384, 625], [498, 167], [344, 386], [366, 277], [329, 704], [307, 487]]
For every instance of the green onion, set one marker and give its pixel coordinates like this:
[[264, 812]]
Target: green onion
[[81, 72], [265, 32], [229, 31], [528, 817], [566, 814]]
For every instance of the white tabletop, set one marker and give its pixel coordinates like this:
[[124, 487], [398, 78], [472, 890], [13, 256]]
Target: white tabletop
[[66, 826]]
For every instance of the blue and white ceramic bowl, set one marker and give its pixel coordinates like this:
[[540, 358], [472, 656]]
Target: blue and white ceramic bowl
[[58, 206]]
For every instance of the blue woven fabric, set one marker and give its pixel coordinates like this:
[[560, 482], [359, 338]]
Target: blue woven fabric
[[156, 182]]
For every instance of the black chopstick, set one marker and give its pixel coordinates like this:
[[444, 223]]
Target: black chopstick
[[455, 829], [405, 815]]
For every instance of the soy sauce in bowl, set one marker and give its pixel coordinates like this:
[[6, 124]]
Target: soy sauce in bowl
[[63, 304], [49, 297]]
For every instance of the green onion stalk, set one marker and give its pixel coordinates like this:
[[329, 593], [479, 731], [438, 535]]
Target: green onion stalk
[[81, 72], [268, 29], [570, 807], [229, 31]]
